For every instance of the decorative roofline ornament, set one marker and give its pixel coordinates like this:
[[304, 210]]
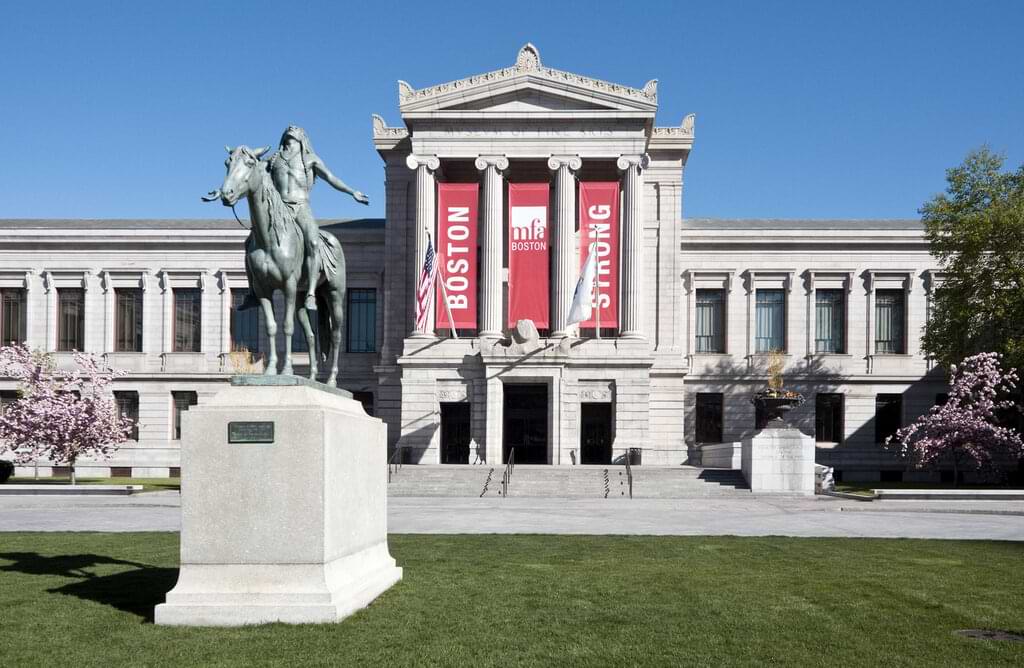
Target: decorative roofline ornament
[[684, 130], [381, 130], [528, 62]]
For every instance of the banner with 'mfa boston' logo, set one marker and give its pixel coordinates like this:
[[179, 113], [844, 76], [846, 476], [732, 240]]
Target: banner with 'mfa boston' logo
[[528, 249]]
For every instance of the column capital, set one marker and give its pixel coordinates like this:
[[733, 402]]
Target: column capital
[[499, 162], [431, 162], [638, 161], [573, 162]]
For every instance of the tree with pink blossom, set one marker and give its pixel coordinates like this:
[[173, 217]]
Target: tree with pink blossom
[[964, 431], [61, 415]]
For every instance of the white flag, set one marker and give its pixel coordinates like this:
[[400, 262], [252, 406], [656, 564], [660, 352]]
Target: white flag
[[583, 297]]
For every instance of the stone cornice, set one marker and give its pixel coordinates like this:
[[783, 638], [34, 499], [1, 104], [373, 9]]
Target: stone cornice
[[528, 63], [382, 131]]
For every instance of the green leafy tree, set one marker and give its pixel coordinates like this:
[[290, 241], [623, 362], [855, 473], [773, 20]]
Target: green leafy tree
[[976, 229]]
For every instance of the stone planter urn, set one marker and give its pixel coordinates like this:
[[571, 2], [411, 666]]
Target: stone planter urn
[[776, 403]]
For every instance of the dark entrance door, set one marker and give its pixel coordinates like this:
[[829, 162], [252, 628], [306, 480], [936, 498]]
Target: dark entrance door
[[526, 423], [455, 433], [595, 434]]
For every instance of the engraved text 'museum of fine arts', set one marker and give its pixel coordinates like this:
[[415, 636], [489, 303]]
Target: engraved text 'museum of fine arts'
[[510, 180]]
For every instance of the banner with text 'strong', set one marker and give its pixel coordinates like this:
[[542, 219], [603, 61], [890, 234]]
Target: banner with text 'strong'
[[599, 225], [456, 253], [528, 249]]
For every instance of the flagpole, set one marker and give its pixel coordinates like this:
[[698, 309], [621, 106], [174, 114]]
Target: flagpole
[[597, 286], [444, 291]]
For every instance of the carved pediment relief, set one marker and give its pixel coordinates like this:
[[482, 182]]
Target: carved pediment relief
[[528, 86]]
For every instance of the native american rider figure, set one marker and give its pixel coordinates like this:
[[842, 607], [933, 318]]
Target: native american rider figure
[[293, 169]]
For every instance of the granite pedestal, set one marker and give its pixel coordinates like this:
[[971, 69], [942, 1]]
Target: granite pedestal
[[779, 460], [282, 523]]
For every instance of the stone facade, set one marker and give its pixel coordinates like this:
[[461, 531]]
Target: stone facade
[[527, 123]]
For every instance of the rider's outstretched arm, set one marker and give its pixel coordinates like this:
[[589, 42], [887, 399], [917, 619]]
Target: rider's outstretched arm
[[336, 183]]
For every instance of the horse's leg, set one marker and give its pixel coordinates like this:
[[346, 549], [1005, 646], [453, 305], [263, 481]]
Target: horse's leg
[[310, 341], [337, 298], [289, 325], [268, 315]]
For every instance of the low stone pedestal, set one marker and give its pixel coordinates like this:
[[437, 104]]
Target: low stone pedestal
[[283, 503], [779, 460]]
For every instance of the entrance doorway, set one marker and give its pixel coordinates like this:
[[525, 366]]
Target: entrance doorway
[[595, 433], [526, 423], [455, 433]]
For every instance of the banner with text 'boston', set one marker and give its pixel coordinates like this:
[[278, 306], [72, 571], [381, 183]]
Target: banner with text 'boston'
[[599, 225], [528, 253], [456, 251]]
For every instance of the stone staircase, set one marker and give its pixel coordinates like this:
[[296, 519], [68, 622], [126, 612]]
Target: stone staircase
[[567, 482]]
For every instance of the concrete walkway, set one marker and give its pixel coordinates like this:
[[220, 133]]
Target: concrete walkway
[[749, 516]]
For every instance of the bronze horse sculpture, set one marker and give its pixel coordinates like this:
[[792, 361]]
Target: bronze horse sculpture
[[274, 260]]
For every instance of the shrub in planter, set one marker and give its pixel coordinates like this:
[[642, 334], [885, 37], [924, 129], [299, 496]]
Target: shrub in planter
[[6, 470]]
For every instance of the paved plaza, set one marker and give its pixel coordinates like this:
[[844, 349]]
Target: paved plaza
[[751, 516]]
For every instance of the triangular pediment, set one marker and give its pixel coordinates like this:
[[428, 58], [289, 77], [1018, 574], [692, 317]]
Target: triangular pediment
[[528, 86]]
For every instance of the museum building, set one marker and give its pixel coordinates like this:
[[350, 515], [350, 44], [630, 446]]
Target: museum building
[[508, 182]]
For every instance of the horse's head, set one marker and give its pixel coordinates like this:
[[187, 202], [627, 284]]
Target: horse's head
[[241, 164]]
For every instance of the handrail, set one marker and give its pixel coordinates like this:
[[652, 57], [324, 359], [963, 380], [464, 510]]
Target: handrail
[[392, 463], [629, 474], [506, 477]]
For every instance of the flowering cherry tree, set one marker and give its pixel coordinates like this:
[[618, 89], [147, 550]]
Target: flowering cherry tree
[[964, 430], [60, 415]]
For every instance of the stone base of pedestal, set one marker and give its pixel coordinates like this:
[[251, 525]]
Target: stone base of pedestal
[[284, 517], [779, 461]]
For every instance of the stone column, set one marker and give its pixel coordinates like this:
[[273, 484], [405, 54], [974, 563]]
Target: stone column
[[631, 308], [565, 266], [426, 188], [491, 293], [50, 342]]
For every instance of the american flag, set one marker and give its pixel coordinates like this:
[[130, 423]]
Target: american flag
[[425, 289]]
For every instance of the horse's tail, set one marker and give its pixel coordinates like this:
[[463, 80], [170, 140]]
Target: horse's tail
[[323, 315]]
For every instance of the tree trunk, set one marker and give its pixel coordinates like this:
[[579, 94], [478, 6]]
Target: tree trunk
[[71, 463], [956, 472]]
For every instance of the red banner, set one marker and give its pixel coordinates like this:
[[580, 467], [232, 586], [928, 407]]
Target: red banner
[[599, 225], [456, 253], [528, 248]]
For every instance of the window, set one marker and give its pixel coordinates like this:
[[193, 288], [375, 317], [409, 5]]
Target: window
[[829, 323], [889, 313], [771, 321], [12, 319], [246, 326], [709, 417], [888, 415], [188, 320], [7, 397], [128, 407], [828, 418], [128, 320], [710, 321], [182, 400], [760, 417], [362, 320], [366, 399], [299, 343], [70, 318]]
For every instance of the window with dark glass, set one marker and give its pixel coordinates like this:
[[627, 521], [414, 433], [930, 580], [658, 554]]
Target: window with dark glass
[[299, 343], [889, 319], [828, 418], [246, 326], [188, 320], [12, 318], [888, 415], [182, 401], [709, 417], [362, 320], [128, 407], [710, 321], [128, 320], [366, 399], [760, 417], [770, 312], [7, 397], [70, 318], [829, 321]]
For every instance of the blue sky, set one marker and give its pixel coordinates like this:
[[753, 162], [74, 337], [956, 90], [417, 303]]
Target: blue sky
[[804, 109]]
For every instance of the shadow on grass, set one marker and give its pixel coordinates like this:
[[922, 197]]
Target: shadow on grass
[[136, 591]]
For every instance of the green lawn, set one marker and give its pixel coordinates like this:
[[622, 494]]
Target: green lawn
[[149, 484], [87, 600]]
